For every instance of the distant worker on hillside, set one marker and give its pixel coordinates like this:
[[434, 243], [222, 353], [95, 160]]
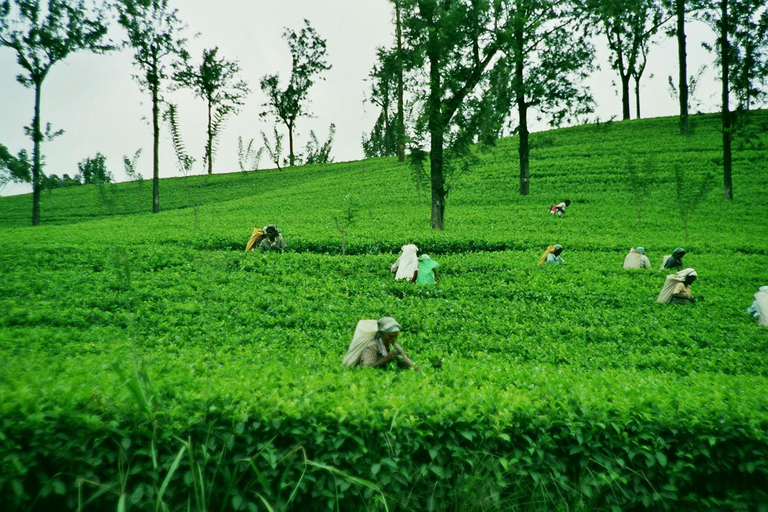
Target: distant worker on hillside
[[677, 287], [427, 273], [675, 260], [559, 209], [407, 264], [273, 240], [636, 259], [552, 255], [759, 307], [375, 344], [256, 237]]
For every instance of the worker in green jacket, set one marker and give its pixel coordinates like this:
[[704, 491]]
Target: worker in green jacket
[[427, 272]]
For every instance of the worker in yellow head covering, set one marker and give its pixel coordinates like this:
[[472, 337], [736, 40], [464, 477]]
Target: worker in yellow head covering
[[552, 255]]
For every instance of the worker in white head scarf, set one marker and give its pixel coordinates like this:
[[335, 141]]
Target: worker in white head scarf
[[375, 345], [759, 307], [407, 264], [677, 287]]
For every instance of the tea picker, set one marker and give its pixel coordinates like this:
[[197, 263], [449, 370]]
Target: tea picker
[[551, 255], [407, 265], [636, 259], [559, 209], [677, 288], [675, 260], [273, 240], [427, 272], [375, 344]]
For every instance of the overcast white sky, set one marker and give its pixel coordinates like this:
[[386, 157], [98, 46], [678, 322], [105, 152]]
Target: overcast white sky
[[100, 107]]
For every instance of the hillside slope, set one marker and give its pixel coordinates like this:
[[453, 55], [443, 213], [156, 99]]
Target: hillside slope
[[587, 164], [145, 364]]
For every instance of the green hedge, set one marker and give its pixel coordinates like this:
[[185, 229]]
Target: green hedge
[[502, 447]]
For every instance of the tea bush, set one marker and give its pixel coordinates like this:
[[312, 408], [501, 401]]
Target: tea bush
[[147, 365]]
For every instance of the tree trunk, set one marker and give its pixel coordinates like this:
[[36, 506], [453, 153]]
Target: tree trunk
[[625, 105], [436, 132], [522, 111], [155, 149], [438, 181], [637, 97], [400, 122], [209, 147], [725, 60], [682, 58], [291, 157], [524, 151], [37, 138], [418, 189]]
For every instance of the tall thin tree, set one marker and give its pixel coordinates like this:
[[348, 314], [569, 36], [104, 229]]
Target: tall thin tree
[[308, 60], [217, 81], [153, 31], [679, 10], [549, 62], [454, 43], [400, 119], [741, 27], [627, 25], [42, 37], [383, 139]]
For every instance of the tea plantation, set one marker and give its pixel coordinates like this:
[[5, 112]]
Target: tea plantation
[[149, 365]]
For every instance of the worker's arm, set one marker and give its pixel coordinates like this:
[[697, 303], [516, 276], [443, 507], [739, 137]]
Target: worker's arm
[[415, 275], [384, 360], [404, 357], [682, 292]]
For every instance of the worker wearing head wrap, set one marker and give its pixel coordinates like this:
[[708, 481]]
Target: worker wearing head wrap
[[407, 264], [677, 287], [675, 260], [559, 209], [759, 307], [375, 345], [636, 259], [552, 255], [427, 273], [273, 240]]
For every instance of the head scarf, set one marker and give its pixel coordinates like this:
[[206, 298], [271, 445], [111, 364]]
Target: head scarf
[[388, 324], [669, 284], [679, 251], [549, 250], [366, 332], [407, 263], [640, 250]]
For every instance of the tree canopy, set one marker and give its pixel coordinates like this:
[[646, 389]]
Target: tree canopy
[[41, 37], [308, 61], [154, 33], [218, 82]]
